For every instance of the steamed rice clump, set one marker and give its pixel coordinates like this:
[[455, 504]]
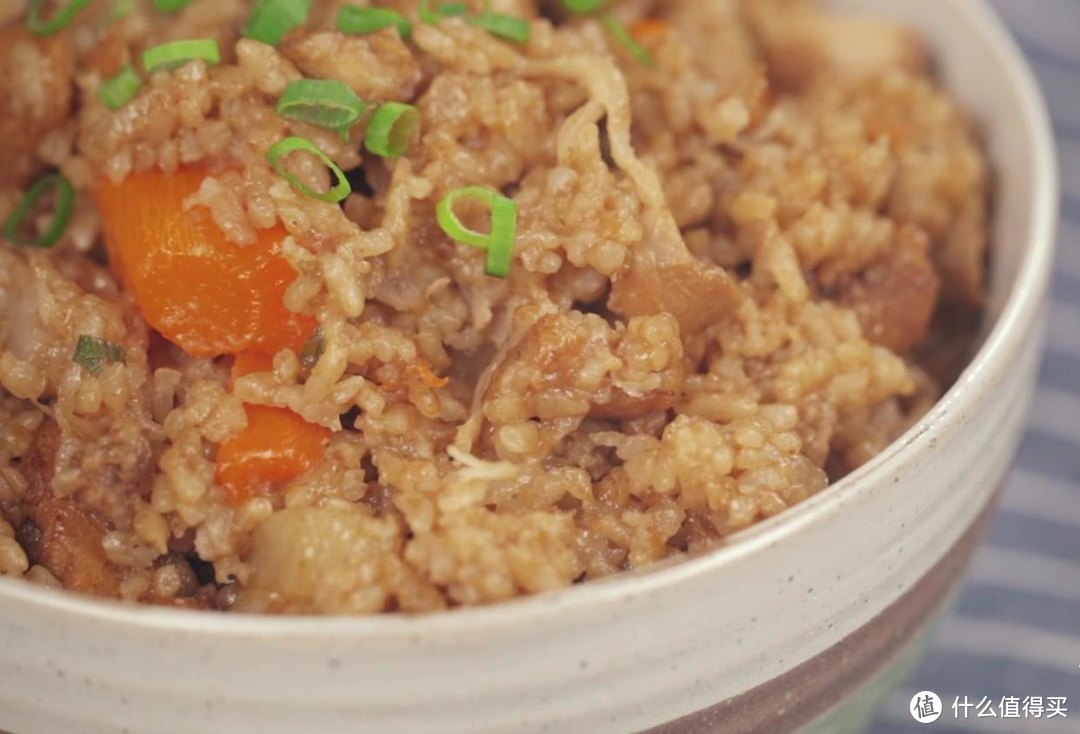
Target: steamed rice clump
[[740, 271]]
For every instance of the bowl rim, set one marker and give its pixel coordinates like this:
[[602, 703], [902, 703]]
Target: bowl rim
[[1020, 312]]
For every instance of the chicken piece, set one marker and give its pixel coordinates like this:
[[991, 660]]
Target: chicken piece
[[62, 537], [36, 76], [803, 44], [379, 67], [896, 296], [664, 277]]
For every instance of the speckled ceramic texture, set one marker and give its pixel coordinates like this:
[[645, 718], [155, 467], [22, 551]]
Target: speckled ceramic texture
[[634, 652]]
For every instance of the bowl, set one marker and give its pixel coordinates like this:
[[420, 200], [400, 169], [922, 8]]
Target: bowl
[[801, 621]]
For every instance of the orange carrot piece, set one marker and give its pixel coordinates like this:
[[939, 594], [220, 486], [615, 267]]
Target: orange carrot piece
[[247, 364], [201, 291], [276, 447], [648, 30]]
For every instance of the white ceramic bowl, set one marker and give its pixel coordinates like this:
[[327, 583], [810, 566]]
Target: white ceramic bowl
[[796, 621]]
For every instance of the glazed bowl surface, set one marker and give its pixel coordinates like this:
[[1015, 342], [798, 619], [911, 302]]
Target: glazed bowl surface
[[795, 622]]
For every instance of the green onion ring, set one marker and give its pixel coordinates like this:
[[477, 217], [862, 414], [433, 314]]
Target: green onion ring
[[282, 148], [177, 53], [500, 242], [171, 6], [447, 9], [505, 26], [271, 20], [121, 89], [65, 205], [61, 20], [323, 102], [352, 19], [584, 6], [391, 128]]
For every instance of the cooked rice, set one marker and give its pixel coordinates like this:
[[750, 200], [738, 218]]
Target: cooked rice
[[731, 279]]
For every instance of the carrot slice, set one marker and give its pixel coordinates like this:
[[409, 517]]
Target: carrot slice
[[648, 30], [276, 447], [201, 291]]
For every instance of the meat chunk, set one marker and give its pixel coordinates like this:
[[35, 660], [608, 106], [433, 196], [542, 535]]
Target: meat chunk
[[896, 296], [58, 534], [36, 76]]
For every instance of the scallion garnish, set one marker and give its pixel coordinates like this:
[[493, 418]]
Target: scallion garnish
[[171, 6], [92, 353], [584, 6], [446, 9], [121, 89], [500, 242], [621, 33], [272, 20], [177, 53], [505, 26], [323, 102], [391, 128], [339, 192], [62, 210], [352, 19], [60, 20], [121, 9]]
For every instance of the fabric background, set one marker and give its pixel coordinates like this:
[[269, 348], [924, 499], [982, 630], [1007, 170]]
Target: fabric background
[[1015, 629]]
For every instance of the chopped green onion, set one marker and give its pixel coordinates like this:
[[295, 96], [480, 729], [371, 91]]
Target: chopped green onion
[[177, 53], [272, 20], [323, 102], [391, 128], [500, 242], [121, 89], [65, 205], [621, 33], [339, 192], [505, 26], [352, 19], [171, 6], [584, 6], [92, 353], [446, 9], [60, 20]]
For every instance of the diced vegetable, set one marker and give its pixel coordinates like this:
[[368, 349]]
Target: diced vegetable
[[276, 447], [276, 155], [201, 291], [60, 20], [503, 25], [121, 89], [323, 102], [93, 353], [391, 129], [621, 33], [177, 53], [352, 19], [272, 20], [500, 242]]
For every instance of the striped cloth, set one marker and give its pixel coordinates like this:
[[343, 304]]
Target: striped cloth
[[1015, 630]]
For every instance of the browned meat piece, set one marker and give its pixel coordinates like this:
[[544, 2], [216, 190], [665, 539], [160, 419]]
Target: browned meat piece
[[35, 76], [663, 277], [65, 539], [896, 296], [802, 44]]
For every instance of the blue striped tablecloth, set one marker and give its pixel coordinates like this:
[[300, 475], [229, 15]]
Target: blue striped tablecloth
[[1015, 630]]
